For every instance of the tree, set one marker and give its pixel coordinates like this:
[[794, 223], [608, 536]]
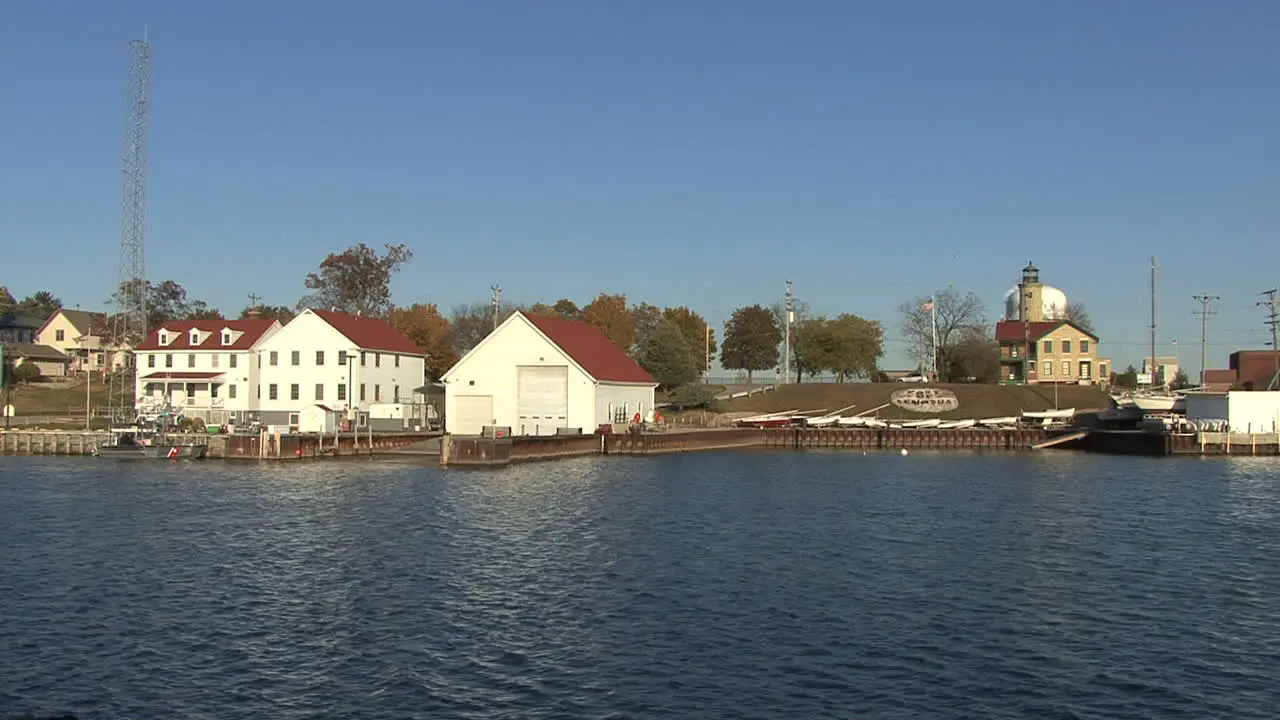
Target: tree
[[200, 310], [662, 350], [698, 334], [692, 395], [7, 301], [611, 315], [429, 330], [473, 323], [165, 302], [356, 280], [957, 315], [847, 346], [1127, 379], [974, 358], [1180, 380], [281, 313], [42, 304], [1078, 314], [751, 339], [26, 372]]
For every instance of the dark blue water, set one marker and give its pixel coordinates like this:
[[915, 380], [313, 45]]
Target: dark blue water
[[769, 585]]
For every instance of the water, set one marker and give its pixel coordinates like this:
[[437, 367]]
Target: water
[[747, 585]]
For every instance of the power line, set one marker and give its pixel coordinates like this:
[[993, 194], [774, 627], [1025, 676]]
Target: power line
[[1272, 304], [1204, 313]]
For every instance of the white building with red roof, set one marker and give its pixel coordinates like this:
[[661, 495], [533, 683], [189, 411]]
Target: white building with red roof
[[201, 368], [538, 374], [336, 360]]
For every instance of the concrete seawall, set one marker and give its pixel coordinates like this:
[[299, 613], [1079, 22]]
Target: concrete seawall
[[231, 447]]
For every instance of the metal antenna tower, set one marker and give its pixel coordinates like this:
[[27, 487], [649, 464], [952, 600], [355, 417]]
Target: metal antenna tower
[[130, 319], [497, 304], [1204, 313], [1272, 304]]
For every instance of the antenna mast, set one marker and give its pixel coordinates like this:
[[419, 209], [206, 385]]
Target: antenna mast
[[129, 326], [497, 304], [1152, 369], [1204, 314], [1272, 304], [786, 350]]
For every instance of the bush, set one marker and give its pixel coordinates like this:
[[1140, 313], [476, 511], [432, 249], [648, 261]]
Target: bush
[[879, 376], [691, 396], [26, 372]]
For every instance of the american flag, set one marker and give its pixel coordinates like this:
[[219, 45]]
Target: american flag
[[927, 307]]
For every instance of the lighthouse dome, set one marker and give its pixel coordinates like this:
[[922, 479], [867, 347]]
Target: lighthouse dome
[[1053, 303]]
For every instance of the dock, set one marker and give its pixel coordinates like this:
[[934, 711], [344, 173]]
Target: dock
[[265, 446]]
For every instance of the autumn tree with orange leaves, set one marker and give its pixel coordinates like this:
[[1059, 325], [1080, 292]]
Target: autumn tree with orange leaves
[[611, 315], [429, 330]]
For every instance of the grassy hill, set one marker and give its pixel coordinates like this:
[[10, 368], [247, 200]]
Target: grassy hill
[[976, 401], [58, 399]]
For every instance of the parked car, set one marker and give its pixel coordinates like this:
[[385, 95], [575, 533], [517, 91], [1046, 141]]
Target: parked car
[[913, 379]]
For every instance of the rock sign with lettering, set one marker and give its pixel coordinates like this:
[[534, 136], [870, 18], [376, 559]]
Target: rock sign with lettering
[[925, 400]]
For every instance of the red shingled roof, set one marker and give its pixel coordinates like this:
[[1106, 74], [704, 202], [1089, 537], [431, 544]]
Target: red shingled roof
[[251, 331], [1012, 330], [596, 353], [370, 333]]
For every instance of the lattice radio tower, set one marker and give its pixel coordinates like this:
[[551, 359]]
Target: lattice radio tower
[[130, 311]]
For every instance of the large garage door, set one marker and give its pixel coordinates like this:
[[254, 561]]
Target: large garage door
[[542, 399], [471, 414]]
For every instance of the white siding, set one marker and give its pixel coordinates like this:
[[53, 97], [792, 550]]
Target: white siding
[[1205, 407], [1245, 411], [633, 398], [491, 370], [308, 333], [244, 376]]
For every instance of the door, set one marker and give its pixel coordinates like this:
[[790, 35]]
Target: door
[[542, 399], [471, 414]]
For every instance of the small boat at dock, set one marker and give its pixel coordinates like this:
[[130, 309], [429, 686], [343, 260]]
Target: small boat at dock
[[133, 442]]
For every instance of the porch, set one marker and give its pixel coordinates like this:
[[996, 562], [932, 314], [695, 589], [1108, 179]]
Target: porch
[[198, 395]]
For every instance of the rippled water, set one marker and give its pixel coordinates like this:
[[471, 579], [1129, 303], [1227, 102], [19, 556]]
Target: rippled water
[[770, 585]]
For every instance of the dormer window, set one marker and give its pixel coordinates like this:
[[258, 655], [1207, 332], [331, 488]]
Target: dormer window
[[164, 338], [226, 338], [195, 337]]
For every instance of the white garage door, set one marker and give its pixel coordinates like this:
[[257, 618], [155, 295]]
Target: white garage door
[[542, 399], [471, 414]]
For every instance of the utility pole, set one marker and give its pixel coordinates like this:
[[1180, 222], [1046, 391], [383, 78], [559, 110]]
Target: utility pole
[[1152, 370], [497, 304], [1204, 313], [254, 299], [1272, 304], [786, 352]]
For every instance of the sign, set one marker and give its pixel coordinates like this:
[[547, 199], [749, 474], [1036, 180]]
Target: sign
[[1143, 379], [925, 400]]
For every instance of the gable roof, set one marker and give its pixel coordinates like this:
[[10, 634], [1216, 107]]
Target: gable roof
[[1012, 330], [84, 321], [591, 349], [251, 331], [19, 320], [369, 333], [35, 352]]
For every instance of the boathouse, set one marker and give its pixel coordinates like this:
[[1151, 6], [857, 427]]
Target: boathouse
[[540, 375]]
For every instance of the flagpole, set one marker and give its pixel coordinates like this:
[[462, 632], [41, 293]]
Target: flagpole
[[933, 312]]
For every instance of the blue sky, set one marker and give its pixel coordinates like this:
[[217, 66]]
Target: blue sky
[[693, 153]]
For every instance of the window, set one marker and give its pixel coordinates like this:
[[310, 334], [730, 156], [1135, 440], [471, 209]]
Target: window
[[231, 360], [151, 361], [294, 392], [214, 359], [164, 338], [272, 392], [377, 393], [191, 390], [397, 361], [362, 358], [191, 360], [59, 335], [1048, 347], [377, 359], [362, 392], [194, 337], [342, 391], [1066, 368], [226, 338], [273, 358], [213, 390], [1013, 351], [259, 392], [319, 357], [1066, 347], [342, 357], [231, 391], [1084, 370], [1102, 370], [1048, 368], [395, 391], [293, 418], [1084, 346], [168, 361], [295, 357], [319, 391]]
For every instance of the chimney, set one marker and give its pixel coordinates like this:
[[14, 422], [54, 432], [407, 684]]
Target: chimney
[[253, 314]]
